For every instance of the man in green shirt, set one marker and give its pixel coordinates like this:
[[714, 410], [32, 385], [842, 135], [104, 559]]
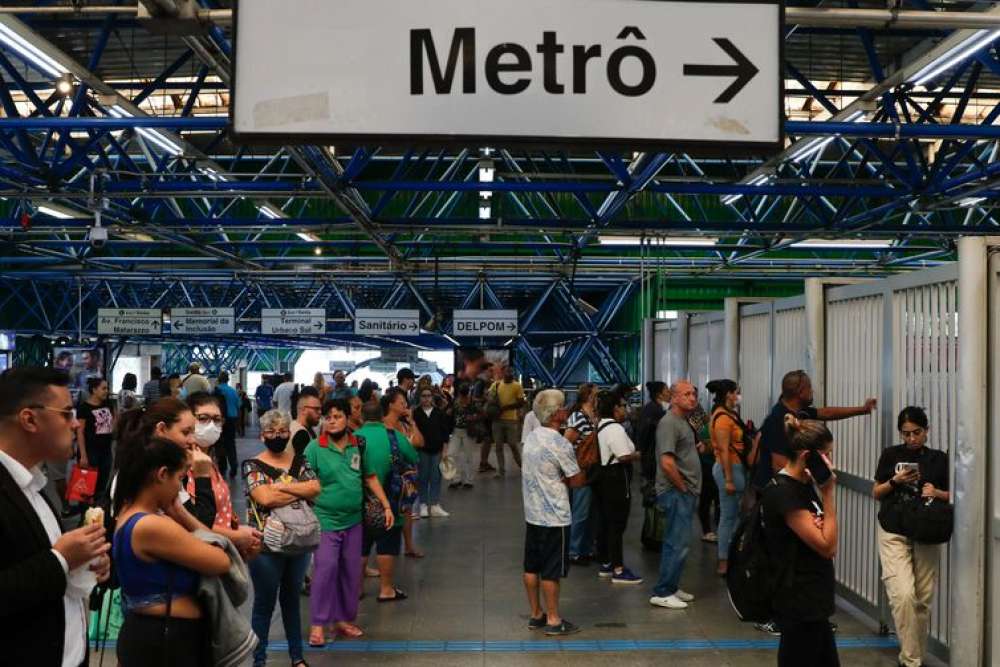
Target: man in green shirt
[[378, 462]]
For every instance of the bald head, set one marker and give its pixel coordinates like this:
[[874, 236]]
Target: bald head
[[683, 397]]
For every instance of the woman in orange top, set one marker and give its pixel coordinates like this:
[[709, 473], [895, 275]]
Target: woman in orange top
[[733, 455]]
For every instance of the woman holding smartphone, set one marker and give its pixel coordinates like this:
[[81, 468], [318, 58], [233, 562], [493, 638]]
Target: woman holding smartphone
[[909, 569], [800, 524]]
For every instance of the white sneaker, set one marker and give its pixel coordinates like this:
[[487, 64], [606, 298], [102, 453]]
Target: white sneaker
[[438, 511], [683, 597], [423, 512], [668, 602]]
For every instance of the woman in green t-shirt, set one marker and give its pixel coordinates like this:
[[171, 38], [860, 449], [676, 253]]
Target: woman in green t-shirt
[[335, 458]]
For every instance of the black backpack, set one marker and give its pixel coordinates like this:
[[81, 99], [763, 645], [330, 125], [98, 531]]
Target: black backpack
[[754, 577]]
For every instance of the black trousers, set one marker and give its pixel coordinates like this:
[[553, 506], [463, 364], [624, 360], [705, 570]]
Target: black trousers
[[227, 443], [807, 643], [100, 458], [142, 642], [709, 497], [613, 501]]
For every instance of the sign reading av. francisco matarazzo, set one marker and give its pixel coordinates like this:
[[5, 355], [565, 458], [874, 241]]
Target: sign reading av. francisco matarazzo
[[603, 72]]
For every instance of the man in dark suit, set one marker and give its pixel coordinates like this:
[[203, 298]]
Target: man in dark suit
[[45, 575]]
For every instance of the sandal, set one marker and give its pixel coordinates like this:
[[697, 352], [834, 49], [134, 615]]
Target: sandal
[[397, 596], [350, 631], [312, 639]]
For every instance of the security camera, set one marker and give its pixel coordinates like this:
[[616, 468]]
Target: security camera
[[98, 237]]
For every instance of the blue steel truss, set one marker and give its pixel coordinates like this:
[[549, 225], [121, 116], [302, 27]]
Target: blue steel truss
[[195, 220]]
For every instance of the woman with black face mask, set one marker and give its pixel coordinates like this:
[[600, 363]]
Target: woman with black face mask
[[277, 477]]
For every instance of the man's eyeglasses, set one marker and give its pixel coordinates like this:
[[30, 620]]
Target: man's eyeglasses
[[69, 414], [210, 419]]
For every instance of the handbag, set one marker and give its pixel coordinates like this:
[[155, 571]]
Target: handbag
[[292, 529], [372, 512], [923, 520], [82, 484], [403, 489]]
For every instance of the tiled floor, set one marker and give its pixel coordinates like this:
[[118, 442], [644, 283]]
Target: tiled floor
[[467, 605]]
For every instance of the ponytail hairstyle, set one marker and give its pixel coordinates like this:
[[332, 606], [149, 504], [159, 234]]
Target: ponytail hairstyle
[[655, 388], [136, 427], [138, 463], [806, 435], [583, 394], [720, 389]]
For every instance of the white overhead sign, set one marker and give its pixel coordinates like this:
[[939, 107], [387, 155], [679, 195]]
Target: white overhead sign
[[629, 72], [293, 321], [130, 321], [484, 322], [378, 321], [194, 321]]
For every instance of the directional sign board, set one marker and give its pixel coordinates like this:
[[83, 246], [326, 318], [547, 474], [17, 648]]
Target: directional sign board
[[387, 322], [603, 72], [195, 321], [293, 321], [484, 323], [130, 321]]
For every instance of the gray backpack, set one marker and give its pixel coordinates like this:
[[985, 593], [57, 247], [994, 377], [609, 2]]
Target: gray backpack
[[292, 529]]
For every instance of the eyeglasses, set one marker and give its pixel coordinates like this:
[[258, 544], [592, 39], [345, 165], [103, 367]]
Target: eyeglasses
[[210, 419], [69, 414], [276, 434]]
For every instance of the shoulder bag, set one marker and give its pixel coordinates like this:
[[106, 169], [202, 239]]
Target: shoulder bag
[[292, 529]]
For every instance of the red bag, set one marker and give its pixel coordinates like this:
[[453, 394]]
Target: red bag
[[82, 484]]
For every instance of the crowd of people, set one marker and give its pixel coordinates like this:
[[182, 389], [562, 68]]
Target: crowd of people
[[344, 470]]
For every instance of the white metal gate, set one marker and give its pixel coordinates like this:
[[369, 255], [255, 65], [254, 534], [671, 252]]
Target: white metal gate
[[755, 360], [705, 351], [666, 352], [789, 341]]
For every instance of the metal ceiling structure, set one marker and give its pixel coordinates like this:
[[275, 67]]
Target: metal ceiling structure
[[892, 153]]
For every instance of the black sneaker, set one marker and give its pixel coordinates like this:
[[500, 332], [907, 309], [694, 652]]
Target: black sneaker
[[580, 560], [537, 623], [561, 630]]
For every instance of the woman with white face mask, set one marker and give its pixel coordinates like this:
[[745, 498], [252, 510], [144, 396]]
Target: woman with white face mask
[[731, 441], [207, 431]]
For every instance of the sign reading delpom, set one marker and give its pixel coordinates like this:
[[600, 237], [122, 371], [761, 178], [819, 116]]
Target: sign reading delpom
[[292, 321], [196, 321], [484, 322], [130, 321], [379, 321], [604, 72]]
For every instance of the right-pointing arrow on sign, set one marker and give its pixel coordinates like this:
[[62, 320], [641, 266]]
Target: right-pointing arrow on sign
[[743, 70]]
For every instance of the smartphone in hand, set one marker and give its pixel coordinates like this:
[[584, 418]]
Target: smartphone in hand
[[818, 468]]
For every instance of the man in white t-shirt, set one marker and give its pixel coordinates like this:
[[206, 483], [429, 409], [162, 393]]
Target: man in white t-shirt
[[283, 395], [548, 467], [613, 487]]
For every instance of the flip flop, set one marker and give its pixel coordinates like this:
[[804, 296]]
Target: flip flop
[[351, 633], [314, 644], [397, 596]]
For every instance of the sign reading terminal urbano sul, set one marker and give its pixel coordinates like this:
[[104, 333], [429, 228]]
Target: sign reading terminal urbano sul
[[602, 72]]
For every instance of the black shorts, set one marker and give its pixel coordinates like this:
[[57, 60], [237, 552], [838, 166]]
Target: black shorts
[[386, 543], [546, 551]]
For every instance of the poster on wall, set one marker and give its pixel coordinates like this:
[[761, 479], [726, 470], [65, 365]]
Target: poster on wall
[[474, 363], [82, 363]]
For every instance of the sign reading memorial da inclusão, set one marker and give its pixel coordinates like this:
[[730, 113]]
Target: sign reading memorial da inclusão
[[604, 72]]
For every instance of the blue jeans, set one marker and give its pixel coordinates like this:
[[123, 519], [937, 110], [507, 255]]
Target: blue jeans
[[729, 505], [678, 509], [429, 478], [277, 577], [581, 536]]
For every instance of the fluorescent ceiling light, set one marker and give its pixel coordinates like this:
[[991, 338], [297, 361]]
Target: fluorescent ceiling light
[[212, 174], [666, 314], [969, 202], [844, 244], [485, 211], [269, 211], [152, 135], [760, 179], [57, 211], [816, 145], [306, 236], [31, 53], [978, 40], [657, 240]]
